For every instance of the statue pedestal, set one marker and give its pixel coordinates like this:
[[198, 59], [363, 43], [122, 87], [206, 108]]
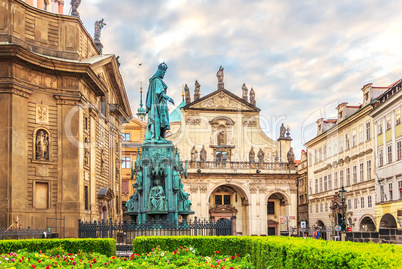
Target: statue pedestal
[[160, 170]]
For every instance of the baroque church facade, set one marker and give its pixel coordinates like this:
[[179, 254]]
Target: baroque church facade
[[62, 103], [234, 169]]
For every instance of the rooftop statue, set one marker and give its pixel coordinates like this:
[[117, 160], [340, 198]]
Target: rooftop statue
[[98, 27], [244, 92], [283, 131], [187, 94], [220, 76], [252, 97], [156, 107], [197, 91], [251, 155], [261, 156], [74, 8]]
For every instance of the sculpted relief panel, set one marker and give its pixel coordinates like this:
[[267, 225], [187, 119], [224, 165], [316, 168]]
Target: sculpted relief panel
[[221, 101]]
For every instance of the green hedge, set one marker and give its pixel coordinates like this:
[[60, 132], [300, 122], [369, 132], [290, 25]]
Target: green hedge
[[106, 246], [285, 252]]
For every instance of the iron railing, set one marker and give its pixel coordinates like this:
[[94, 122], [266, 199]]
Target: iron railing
[[125, 232], [21, 233]]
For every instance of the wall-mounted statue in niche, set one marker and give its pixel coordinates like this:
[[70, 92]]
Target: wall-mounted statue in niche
[[86, 152], [42, 145], [221, 138]]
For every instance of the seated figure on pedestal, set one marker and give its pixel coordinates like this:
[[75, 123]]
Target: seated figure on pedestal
[[157, 198]]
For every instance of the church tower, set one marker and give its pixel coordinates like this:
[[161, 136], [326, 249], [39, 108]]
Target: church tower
[[141, 111]]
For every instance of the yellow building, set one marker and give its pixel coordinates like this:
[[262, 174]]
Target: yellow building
[[388, 148], [342, 154], [133, 134], [62, 103]]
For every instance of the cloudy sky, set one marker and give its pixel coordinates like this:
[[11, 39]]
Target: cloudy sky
[[301, 57]]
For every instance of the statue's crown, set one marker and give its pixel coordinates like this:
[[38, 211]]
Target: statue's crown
[[162, 66]]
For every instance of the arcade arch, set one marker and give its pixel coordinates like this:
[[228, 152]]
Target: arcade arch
[[230, 201]]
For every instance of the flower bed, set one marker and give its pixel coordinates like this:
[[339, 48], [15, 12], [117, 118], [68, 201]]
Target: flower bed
[[184, 257]]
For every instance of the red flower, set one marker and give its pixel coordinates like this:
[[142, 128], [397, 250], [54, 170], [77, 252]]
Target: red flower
[[217, 252], [20, 261], [238, 255], [39, 261], [181, 247], [231, 267], [223, 267], [94, 260], [233, 257], [33, 266], [55, 263], [47, 267], [69, 254]]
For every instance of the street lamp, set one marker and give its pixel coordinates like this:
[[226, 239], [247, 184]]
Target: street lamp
[[342, 194]]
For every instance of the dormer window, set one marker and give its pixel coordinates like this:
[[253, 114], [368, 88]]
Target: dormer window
[[366, 96], [340, 114]]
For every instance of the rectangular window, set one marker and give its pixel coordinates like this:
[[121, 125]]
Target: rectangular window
[[321, 207], [399, 150], [311, 187], [86, 125], [362, 202], [325, 183], [325, 152], [117, 205], [320, 184], [124, 186], [218, 200], [315, 156], [341, 182], [320, 155], [361, 134], [382, 194], [326, 207], [309, 159], [316, 185], [388, 119], [380, 157], [398, 117], [226, 199], [316, 208], [86, 197], [379, 128], [335, 146], [355, 202], [347, 141], [125, 137], [340, 144], [354, 174], [400, 189], [369, 201], [347, 176], [329, 149], [271, 208], [361, 172], [354, 138], [368, 136], [335, 180], [389, 154], [368, 169], [41, 195], [329, 183], [125, 162], [390, 191], [311, 208], [349, 204]]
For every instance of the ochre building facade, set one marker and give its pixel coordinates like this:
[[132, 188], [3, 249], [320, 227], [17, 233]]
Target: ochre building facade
[[62, 103]]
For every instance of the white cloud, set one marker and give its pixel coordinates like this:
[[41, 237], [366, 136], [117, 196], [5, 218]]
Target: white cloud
[[296, 55]]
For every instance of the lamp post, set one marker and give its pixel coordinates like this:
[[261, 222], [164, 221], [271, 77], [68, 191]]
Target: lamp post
[[342, 194]]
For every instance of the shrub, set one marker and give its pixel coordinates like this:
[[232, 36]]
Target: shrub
[[106, 246], [285, 252]]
